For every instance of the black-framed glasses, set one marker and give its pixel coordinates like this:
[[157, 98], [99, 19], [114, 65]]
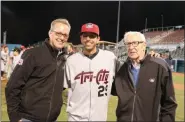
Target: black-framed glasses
[[90, 35], [135, 43], [59, 34]]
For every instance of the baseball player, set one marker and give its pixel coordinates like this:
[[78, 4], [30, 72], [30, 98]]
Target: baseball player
[[89, 76]]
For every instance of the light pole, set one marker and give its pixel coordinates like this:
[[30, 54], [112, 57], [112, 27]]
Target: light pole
[[117, 34], [4, 37], [162, 22], [145, 25]]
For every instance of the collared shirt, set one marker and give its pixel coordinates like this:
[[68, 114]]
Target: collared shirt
[[134, 70]]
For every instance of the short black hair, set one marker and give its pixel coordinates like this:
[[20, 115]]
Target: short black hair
[[17, 49]]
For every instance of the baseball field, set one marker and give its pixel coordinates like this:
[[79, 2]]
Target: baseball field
[[179, 91]]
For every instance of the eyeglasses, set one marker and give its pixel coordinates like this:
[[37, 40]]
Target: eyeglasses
[[59, 34], [90, 35], [135, 43]]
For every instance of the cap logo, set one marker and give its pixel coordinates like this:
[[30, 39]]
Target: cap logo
[[152, 80], [89, 25]]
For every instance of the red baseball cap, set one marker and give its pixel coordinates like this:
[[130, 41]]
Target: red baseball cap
[[22, 47], [90, 27]]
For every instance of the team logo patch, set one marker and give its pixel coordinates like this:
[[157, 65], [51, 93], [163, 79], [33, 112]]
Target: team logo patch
[[20, 62], [152, 80], [89, 25]]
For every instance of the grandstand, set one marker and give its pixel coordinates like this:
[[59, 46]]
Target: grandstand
[[169, 39], [175, 37], [168, 35]]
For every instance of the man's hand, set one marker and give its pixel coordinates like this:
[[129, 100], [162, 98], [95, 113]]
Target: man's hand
[[154, 54]]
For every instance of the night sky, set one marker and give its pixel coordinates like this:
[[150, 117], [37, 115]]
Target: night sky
[[29, 22]]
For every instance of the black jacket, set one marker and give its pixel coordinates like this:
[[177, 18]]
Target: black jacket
[[153, 98], [34, 90]]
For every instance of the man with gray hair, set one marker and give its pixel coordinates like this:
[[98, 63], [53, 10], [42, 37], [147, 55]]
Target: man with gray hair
[[144, 85], [33, 93]]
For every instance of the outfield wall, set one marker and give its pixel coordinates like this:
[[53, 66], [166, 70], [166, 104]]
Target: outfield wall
[[178, 65]]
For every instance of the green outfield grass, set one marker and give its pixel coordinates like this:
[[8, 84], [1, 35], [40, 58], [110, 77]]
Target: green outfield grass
[[112, 104]]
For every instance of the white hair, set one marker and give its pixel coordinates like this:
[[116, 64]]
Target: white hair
[[60, 20], [131, 33]]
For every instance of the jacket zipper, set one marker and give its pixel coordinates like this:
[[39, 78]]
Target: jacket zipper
[[133, 106], [52, 94]]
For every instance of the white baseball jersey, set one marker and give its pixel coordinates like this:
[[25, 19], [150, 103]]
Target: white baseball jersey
[[89, 82], [16, 59]]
